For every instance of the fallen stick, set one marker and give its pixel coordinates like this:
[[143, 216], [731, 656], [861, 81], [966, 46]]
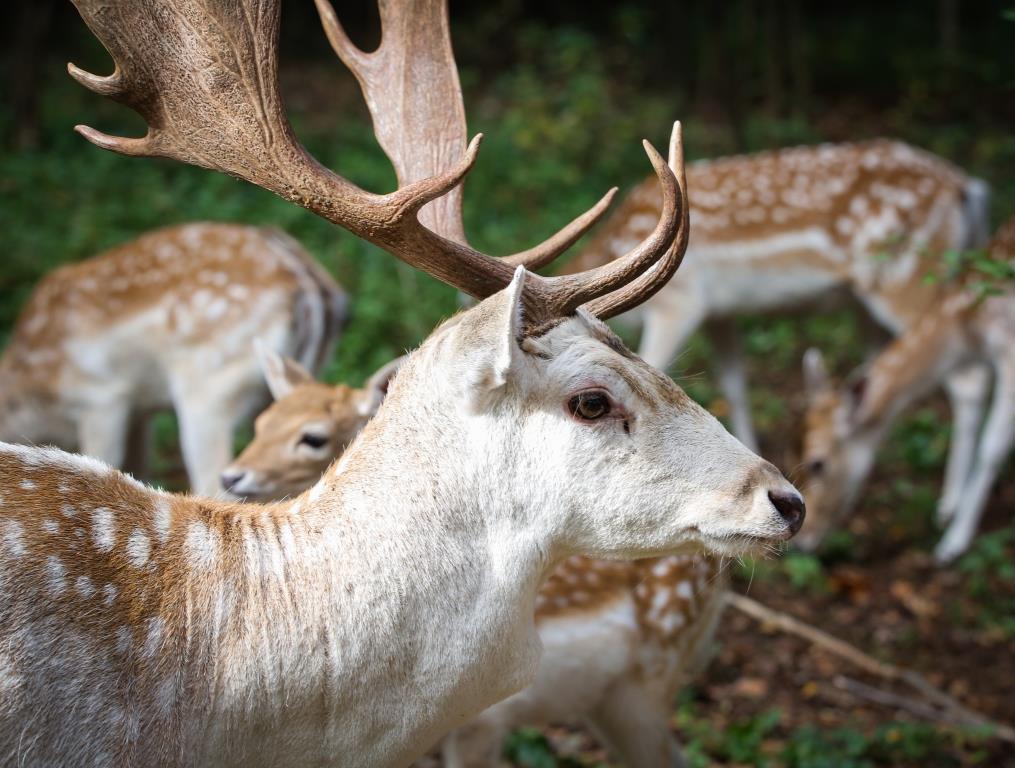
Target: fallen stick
[[957, 712], [860, 690]]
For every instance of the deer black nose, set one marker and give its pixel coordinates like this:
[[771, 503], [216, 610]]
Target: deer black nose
[[790, 506], [231, 478]]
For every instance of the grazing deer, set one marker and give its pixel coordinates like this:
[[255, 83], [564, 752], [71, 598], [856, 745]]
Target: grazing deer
[[303, 431], [166, 320], [357, 623], [619, 638], [792, 228], [844, 427]]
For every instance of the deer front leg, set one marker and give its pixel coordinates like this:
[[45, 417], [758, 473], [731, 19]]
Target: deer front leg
[[637, 729], [208, 408], [729, 363], [967, 390], [102, 431], [998, 436], [669, 322]]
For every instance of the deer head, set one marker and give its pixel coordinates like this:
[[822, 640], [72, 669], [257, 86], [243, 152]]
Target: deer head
[[308, 426], [839, 446], [531, 376]]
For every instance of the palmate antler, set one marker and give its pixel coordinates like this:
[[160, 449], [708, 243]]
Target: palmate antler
[[204, 75]]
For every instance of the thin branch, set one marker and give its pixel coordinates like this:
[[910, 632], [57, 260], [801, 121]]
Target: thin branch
[[956, 711]]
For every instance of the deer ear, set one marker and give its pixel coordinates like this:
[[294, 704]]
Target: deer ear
[[857, 389], [377, 387], [815, 372], [490, 333], [281, 373]]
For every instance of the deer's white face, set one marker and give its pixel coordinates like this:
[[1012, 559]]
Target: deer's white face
[[614, 455]]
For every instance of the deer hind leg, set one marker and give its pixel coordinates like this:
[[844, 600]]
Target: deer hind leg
[[729, 363], [102, 431], [634, 725], [967, 390], [208, 408], [995, 444]]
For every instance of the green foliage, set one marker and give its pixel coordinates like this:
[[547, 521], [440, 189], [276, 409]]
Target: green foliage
[[805, 571], [987, 563], [528, 748], [977, 269]]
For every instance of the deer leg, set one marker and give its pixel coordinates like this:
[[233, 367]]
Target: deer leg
[[139, 445], [475, 745], [667, 327], [729, 362], [208, 409], [102, 431], [637, 729], [995, 444], [967, 390]]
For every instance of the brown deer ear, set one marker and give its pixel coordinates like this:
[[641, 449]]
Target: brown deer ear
[[376, 387], [280, 372], [816, 378], [857, 397]]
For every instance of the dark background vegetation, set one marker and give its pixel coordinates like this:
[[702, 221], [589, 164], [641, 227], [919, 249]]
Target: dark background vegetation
[[563, 91]]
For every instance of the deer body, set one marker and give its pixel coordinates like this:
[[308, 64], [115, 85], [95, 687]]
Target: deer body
[[167, 320], [794, 228], [619, 638], [208, 633], [845, 427]]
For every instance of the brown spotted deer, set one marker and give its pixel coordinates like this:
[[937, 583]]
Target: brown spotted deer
[[619, 638], [304, 430], [167, 320], [845, 426], [793, 228], [359, 622]]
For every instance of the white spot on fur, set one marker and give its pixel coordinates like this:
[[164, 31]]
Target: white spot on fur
[[57, 574], [13, 537], [202, 545], [103, 529], [109, 594], [50, 526], [84, 586], [124, 640], [67, 510], [28, 485], [138, 548], [153, 636], [162, 517]]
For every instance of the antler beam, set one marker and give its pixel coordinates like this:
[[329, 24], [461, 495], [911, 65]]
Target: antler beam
[[204, 75]]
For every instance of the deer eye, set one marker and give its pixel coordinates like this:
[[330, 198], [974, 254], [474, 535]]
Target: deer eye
[[313, 440], [589, 406]]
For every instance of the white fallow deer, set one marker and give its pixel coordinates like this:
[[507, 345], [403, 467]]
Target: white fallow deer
[[844, 426], [793, 228], [164, 321], [619, 638], [355, 624]]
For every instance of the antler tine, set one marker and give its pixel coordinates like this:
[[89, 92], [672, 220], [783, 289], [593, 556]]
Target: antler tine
[[565, 293], [645, 286], [422, 127]]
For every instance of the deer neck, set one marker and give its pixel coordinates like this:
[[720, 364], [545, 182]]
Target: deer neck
[[409, 544]]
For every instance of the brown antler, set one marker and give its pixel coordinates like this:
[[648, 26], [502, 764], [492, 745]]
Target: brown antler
[[204, 75]]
